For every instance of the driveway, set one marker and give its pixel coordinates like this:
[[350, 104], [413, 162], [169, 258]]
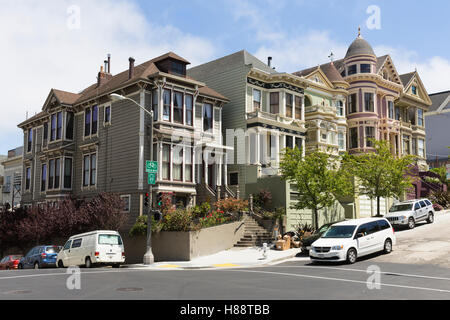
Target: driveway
[[426, 244]]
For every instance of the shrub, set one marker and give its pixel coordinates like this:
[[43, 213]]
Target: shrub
[[263, 198], [214, 218], [140, 226], [441, 197], [201, 210], [231, 205], [437, 207], [178, 220], [277, 214]]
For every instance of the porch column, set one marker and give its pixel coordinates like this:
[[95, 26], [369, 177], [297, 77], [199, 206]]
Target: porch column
[[225, 180]]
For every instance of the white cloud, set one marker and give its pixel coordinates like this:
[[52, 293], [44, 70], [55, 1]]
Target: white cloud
[[40, 51]]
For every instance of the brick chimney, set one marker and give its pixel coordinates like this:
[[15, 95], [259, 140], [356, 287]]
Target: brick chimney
[[131, 68]]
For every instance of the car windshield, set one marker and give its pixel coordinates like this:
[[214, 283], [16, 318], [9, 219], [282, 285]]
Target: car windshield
[[324, 228], [16, 257], [52, 249], [401, 207], [339, 232], [109, 239]]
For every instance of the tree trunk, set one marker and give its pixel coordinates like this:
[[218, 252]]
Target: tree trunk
[[378, 206], [316, 219]]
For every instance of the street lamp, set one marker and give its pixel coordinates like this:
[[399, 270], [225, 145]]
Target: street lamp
[[148, 256]]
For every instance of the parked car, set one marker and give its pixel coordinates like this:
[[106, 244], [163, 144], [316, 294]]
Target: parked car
[[408, 213], [306, 242], [40, 257], [10, 262], [348, 240], [93, 248]]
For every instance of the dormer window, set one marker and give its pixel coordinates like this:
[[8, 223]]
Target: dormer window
[[414, 90], [177, 68]]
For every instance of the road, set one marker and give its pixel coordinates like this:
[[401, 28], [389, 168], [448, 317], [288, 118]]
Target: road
[[418, 268]]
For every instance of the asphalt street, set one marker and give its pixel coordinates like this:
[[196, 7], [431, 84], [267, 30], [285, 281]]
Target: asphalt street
[[292, 280]]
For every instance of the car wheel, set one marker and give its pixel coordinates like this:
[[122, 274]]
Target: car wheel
[[7, 268], [411, 223], [430, 217], [36, 265], [387, 246], [117, 265], [351, 256], [88, 263], [20, 266], [60, 264]]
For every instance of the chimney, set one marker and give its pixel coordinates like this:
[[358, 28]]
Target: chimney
[[101, 77], [109, 63], [106, 65], [269, 60], [131, 68]]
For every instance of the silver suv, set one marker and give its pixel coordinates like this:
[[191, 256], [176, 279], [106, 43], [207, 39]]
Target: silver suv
[[408, 213]]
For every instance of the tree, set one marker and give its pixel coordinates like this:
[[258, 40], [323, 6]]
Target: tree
[[380, 173], [317, 177]]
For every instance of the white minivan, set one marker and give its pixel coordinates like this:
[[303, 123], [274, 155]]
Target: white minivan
[[101, 247], [348, 240]]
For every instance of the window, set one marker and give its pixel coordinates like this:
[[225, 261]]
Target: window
[[58, 125], [352, 103], [107, 118], [353, 138], [383, 225], [369, 102], [417, 206], [234, 178], [43, 177], [341, 141], [397, 113], [51, 173], [343, 73], [93, 179], [28, 178], [167, 102], [86, 166], [207, 117], [67, 173], [178, 164], [53, 128], [421, 148], [155, 104], [178, 107], [274, 102], [177, 68], [87, 122], [94, 120], [414, 146], [256, 99], [7, 184], [109, 239], [188, 164], [189, 109], [406, 149], [363, 229], [351, 70], [126, 206], [45, 130], [340, 108], [166, 162], [365, 68], [420, 117], [69, 125], [298, 142], [30, 140], [414, 90], [289, 105], [57, 172], [67, 245], [289, 142], [370, 134], [76, 243], [391, 109], [373, 227], [298, 107]]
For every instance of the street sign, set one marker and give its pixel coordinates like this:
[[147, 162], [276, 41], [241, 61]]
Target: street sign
[[151, 166], [152, 178]]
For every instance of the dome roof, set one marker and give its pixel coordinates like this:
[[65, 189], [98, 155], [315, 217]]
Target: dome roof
[[358, 47]]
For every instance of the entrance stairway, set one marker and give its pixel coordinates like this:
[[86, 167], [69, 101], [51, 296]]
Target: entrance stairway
[[254, 234]]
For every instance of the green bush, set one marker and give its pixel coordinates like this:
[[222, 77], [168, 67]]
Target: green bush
[[140, 226], [178, 220]]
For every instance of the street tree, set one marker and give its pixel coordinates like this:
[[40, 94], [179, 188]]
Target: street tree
[[380, 173], [317, 177]]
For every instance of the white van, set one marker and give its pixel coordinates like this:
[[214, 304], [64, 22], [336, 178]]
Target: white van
[[97, 247], [348, 240]]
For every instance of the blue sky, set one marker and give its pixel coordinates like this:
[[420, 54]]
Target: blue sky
[[38, 42]]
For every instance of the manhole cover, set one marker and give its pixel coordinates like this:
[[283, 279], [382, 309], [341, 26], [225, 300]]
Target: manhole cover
[[18, 292], [129, 289]]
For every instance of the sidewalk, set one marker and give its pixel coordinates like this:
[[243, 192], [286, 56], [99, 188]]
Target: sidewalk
[[232, 258]]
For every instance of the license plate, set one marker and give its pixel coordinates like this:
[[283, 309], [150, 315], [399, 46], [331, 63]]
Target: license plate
[[321, 255]]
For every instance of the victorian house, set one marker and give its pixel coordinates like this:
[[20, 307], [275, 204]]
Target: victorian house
[[85, 143]]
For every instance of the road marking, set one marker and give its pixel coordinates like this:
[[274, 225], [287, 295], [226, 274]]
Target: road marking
[[168, 266], [224, 265], [340, 279], [365, 271]]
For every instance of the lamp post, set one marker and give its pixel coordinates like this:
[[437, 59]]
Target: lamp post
[[148, 256]]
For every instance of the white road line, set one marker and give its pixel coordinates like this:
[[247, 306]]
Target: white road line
[[340, 279], [365, 271]]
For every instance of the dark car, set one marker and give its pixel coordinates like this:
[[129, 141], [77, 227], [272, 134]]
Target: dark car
[[10, 262], [40, 257], [307, 242]]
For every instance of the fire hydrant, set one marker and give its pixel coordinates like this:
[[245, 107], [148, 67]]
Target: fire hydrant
[[264, 249]]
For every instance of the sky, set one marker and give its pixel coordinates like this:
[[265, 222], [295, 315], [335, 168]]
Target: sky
[[62, 43]]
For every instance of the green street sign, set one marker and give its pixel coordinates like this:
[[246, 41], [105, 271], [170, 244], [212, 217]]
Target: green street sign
[[151, 166], [152, 178]]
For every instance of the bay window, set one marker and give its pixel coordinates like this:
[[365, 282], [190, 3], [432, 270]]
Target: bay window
[[289, 105], [155, 104], [189, 109], [368, 102], [352, 103], [43, 177], [420, 117], [298, 107], [30, 139], [167, 99], [178, 107], [421, 148], [28, 178], [391, 109], [166, 162], [69, 125], [51, 173], [256, 99], [370, 134], [53, 128], [58, 125], [57, 173], [353, 138], [188, 165], [274, 102], [67, 173]]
